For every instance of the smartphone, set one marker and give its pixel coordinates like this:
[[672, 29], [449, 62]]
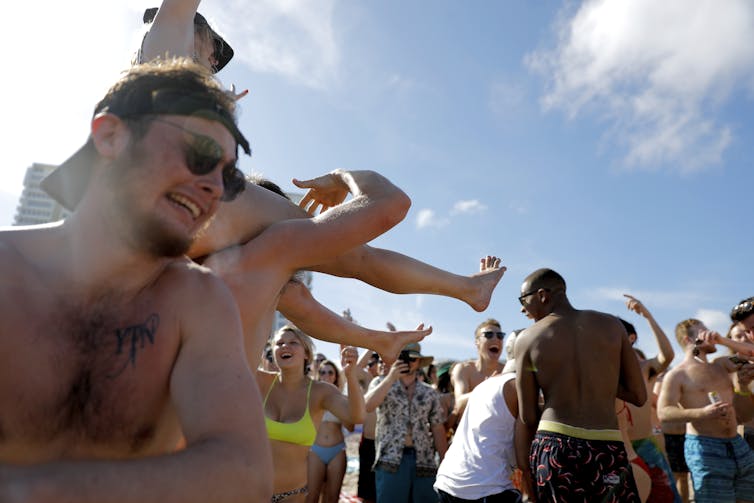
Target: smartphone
[[736, 360], [406, 358]]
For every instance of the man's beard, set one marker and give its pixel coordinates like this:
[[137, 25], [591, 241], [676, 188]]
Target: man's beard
[[143, 231]]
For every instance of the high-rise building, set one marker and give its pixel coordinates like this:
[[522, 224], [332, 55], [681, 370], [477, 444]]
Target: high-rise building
[[35, 206]]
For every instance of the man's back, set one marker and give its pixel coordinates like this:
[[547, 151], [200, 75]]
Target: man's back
[[577, 362]]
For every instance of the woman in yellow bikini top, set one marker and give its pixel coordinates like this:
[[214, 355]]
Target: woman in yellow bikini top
[[294, 405]]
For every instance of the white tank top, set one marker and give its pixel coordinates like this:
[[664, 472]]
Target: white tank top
[[479, 461]]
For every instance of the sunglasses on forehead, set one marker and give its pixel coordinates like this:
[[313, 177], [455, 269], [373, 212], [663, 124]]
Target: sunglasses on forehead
[[743, 310], [491, 334], [203, 154]]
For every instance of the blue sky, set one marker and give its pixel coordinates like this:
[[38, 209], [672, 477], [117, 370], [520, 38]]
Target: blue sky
[[608, 140]]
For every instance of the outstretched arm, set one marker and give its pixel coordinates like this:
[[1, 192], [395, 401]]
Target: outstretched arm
[[666, 354], [297, 304], [377, 205], [745, 349], [257, 208]]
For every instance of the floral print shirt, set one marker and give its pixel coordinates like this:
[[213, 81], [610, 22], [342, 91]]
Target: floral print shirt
[[394, 418]]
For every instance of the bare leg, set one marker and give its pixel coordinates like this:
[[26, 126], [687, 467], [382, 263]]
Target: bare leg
[[682, 484], [397, 273], [256, 208], [336, 470], [315, 477], [297, 304]]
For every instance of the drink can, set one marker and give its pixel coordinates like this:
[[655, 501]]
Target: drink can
[[714, 397]]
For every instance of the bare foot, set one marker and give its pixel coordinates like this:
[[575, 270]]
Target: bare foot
[[389, 344], [484, 282]]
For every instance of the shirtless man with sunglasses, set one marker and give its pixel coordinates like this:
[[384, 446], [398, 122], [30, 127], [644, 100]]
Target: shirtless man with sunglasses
[[488, 338], [114, 346]]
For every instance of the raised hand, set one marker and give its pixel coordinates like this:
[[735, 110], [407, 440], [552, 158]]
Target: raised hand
[[324, 192], [349, 355], [238, 96], [635, 305]]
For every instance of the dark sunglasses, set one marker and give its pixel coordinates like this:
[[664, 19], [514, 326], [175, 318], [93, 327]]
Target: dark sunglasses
[[203, 155], [742, 311], [531, 292], [490, 335]]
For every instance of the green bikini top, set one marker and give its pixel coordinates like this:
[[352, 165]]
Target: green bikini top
[[302, 432]]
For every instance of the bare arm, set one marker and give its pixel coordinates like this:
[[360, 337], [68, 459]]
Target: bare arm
[[522, 439], [440, 438], [227, 455], [172, 31], [243, 219], [461, 388], [527, 387], [666, 354], [670, 410], [351, 410], [742, 400], [631, 385], [377, 394]]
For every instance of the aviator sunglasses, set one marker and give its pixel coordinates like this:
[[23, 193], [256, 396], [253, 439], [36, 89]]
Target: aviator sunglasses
[[203, 154], [490, 335]]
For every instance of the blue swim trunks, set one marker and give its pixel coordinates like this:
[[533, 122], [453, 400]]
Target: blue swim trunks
[[722, 469]]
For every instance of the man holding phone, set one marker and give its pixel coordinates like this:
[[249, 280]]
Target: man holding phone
[[409, 430]]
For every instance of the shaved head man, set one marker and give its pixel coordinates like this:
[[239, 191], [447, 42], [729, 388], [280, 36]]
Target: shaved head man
[[580, 361]]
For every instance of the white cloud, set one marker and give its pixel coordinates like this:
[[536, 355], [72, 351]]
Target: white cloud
[[715, 320], [294, 39], [471, 206], [655, 72], [427, 218]]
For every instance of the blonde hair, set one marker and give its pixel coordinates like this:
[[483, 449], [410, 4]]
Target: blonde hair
[[304, 339], [683, 329], [489, 322]]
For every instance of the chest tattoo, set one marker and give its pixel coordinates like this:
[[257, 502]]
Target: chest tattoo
[[132, 339]]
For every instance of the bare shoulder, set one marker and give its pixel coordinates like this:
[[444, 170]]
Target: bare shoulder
[[196, 291], [528, 336], [675, 375], [461, 369]]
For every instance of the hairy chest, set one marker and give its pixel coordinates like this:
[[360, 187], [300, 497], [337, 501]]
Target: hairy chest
[[95, 374]]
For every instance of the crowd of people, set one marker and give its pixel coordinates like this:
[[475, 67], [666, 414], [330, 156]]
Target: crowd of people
[[138, 365]]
